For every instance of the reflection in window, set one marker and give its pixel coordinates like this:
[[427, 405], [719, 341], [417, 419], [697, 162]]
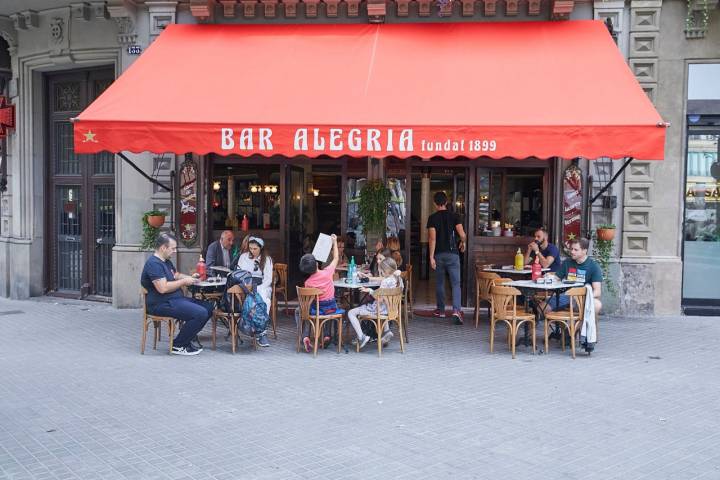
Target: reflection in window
[[354, 233], [396, 209], [702, 190], [509, 198], [250, 190]]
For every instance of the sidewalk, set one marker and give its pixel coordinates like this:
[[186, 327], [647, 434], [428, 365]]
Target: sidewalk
[[78, 401]]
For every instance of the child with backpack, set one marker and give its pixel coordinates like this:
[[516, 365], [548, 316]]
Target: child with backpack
[[390, 279], [321, 278]]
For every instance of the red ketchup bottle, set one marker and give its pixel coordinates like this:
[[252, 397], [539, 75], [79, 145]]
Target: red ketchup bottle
[[245, 223], [536, 269], [200, 269]]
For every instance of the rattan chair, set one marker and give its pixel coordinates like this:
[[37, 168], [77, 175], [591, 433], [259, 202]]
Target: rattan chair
[[504, 309], [411, 298], [407, 309], [157, 321], [568, 319], [483, 281], [306, 297], [237, 298], [391, 298]]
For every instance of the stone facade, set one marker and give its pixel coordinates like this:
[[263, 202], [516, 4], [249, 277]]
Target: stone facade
[[650, 33]]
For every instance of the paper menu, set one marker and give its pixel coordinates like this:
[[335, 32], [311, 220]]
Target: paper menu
[[323, 247]]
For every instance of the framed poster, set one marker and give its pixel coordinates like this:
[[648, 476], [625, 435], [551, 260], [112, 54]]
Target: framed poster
[[572, 204], [188, 202]]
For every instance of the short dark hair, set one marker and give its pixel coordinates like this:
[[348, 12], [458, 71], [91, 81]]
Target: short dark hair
[[583, 242], [308, 264], [163, 239], [440, 198], [540, 229]]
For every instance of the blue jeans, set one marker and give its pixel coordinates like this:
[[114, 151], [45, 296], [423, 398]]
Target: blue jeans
[[449, 263], [193, 313]]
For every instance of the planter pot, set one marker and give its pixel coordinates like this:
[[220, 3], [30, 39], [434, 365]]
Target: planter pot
[[606, 234], [156, 221]]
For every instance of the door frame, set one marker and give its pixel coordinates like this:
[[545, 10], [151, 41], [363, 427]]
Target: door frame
[[86, 180]]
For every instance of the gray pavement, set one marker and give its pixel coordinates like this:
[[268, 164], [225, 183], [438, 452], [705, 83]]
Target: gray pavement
[[77, 400]]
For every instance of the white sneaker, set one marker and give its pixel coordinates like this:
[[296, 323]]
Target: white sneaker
[[190, 350], [387, 336], [364, 341]]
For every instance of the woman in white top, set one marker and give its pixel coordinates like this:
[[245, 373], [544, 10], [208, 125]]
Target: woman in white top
[[260, 267]]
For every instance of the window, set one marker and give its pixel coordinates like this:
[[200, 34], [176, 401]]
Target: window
[[510, 198], [252, 190]]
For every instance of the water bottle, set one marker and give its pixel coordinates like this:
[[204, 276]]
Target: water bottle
[[351, 270]]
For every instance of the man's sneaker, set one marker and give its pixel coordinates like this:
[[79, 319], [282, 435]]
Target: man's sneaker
[[196, 345], [439, 313], [364, 341], [387, 336], [189, 350], [458, 317], [262, 340]]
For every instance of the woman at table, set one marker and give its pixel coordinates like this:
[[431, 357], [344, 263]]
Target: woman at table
[[260, 267], [393, 244], [390, 279]]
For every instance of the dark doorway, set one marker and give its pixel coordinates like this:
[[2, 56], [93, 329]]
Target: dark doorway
[[80, 195]]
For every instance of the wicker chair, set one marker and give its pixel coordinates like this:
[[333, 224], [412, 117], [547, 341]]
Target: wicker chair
[[568, 320], [391, 298], [157, 321], [237, 297], [504, 309], [279, 286], [306, 297]]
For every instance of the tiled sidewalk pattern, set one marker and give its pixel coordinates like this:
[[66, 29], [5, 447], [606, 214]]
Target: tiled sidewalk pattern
[[78, 401]]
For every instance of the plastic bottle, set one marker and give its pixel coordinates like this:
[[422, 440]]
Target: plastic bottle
[[519, 260], [351, 270], [245, 223], [201, 269], [536, 268]]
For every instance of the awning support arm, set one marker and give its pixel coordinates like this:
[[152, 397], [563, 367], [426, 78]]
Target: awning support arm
[[612, 180], [139, 170]]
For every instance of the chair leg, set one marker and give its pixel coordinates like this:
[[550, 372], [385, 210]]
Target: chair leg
[[402, 334], [407, 320], [298, 338], [477, 307], [171, 334], [340, 333], [233, 332], [379, 327], [546, 331], [513, 334], [273, 318], [214, 332], [144, 336], [492, 335], [534, 339], [317, 338], [572, 338]]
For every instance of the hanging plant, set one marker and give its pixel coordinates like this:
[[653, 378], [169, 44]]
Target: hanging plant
[[374, 198], [602, 251], [150, 232]]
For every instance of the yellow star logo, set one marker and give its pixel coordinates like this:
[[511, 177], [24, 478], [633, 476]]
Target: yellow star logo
[[571, 236], [89, 137]]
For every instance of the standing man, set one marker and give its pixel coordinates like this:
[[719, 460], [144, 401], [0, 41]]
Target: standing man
[[547, 253], [446, 238], [219, 252], [163, 284]]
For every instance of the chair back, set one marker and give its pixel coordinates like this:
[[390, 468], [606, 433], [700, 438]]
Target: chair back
[[499, 281], [306, 297], [504, 301], [577, 302], [484, 282], [143, 293], [280, 273], [392, 299], [237, 297]]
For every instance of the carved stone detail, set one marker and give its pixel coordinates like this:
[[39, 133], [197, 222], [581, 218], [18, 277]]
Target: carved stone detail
[[290, 8], [353, 8], [424, 8], [202, 9], [533, 7], [561, 9], [638, 194], [80, 11], [56, 30], [270, 8], [645, 70], [99, 11], [229, 8], [636, 220], [249, 8], [311, 8], [126, 30], [331, 8], [511, 8], [490, 8], [468, 8], [403, 8], [644, 44]]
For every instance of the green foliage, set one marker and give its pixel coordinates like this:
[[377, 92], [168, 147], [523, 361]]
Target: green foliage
[[602, 251], [150, 233], [374, 198], [606, 226]]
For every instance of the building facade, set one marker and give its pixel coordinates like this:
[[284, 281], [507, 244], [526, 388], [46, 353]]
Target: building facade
[[71, 225]]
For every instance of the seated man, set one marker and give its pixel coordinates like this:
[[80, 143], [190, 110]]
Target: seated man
[[580, 268], [219, 252], [165, 298], [547, 253]]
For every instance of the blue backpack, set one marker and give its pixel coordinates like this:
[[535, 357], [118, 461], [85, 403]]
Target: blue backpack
[[254, 318]]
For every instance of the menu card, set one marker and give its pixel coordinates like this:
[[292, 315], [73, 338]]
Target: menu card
[[322, 249]]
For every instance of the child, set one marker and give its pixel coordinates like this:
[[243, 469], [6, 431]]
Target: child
[[322, 279], [391, 279]]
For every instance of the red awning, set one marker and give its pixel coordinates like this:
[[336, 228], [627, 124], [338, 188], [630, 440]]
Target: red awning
[[532, 89]]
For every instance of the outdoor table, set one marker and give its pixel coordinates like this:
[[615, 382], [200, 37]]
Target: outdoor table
[[512, 271], [210, 289], [530, 287], [354, 292]]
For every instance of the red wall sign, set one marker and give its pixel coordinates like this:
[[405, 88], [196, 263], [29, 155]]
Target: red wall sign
[[7, 116], [572, 203]]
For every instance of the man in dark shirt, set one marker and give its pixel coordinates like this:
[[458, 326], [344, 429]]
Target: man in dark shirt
[[163, 284], [446, 238], [547, 253], [579, 268], [219, 252]]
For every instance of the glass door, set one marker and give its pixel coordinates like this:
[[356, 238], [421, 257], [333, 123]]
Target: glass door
[[701, 237], [296, 219]]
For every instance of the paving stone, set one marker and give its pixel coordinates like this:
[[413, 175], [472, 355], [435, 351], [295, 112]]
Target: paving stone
[[77, 400]]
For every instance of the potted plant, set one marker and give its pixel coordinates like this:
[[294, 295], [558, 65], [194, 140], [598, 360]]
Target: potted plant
[[605, 232], [151, 223], [602, 251], [372, 206]]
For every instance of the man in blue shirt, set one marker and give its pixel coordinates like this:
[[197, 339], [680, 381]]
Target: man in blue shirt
[[579, 268], [165, 298], [547, 253]]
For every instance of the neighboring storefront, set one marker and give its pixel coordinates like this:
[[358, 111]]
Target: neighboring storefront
[[311, 189]]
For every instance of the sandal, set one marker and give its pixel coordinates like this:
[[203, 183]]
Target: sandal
[[326, 342], [308, 345]]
